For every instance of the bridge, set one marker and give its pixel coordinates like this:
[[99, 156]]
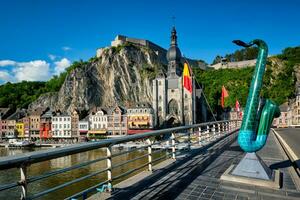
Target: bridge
[[178, 163]]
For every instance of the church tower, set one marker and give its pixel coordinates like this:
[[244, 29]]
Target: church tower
[[173, 104], [174, 57]]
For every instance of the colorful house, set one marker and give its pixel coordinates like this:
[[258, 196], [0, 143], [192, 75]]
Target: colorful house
[[20, 129], [98, 123], [45, 125], [140, 116], [117, 121]]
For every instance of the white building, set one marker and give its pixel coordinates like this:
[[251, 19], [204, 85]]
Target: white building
[[98, 123], [61, 126]]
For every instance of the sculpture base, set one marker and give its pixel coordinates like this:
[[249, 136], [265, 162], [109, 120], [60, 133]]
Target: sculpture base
[[252, 170]]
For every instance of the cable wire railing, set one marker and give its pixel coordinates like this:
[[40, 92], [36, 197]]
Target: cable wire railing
[[155, 150]]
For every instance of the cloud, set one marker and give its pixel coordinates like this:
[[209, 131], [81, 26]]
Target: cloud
[[6, 77], [7, 63], [37, 70], [52, 57], [61, 65], [66, 48]]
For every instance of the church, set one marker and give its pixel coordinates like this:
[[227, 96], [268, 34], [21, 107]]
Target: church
[[173, 104]]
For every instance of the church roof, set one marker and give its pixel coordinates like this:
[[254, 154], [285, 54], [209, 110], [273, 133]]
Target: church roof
[[173, 52]]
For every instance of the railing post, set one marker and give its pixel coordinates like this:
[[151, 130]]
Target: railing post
[[173, 146], [190, 131], [149, 155], [109, 167], [199, 135], [23, 182], [214, 131], [219, 129], [207, 133]]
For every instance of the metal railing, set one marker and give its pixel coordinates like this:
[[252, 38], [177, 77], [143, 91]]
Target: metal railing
[[179, 138]]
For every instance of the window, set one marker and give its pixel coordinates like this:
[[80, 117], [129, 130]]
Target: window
[[159, 82], [185, 96], [159, 109], [159, 97]]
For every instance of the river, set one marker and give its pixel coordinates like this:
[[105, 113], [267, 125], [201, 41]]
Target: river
[[12, 175]]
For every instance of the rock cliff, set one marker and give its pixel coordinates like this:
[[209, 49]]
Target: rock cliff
[[120, 75]]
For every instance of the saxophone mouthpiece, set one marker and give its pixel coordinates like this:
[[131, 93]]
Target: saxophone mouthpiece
[[241, 43]]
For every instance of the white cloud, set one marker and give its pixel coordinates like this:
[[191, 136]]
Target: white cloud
[[5, 77], [37, 70], [66, 48], [52, 57], [7, 63], [61, 65]]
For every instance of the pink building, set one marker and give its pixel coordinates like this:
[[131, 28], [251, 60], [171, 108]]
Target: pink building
[[282, 121]]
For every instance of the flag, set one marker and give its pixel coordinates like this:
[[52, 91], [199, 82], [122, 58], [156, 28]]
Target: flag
[[187, 79], [237, 106], [223, 96]]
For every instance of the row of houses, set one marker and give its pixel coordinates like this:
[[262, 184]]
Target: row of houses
[[46, 124], [290, 114]]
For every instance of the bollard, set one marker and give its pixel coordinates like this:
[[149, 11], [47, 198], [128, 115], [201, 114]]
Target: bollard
[[109, 167], [149, 155], [173, 146], [23, 182]]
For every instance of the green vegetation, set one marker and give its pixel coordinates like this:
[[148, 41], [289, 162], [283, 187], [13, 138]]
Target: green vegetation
[[278, 85], [239, 55], [20, 95]]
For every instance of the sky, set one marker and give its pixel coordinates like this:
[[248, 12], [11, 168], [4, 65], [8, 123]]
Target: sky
[[40, 38]]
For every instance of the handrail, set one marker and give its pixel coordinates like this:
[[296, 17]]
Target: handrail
[[203, 136], [34, 157]]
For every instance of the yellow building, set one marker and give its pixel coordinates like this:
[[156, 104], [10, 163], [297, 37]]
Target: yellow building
[[20, 129], [140, 117]]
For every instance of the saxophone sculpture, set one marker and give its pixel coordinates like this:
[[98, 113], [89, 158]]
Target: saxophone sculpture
[[256, 122]]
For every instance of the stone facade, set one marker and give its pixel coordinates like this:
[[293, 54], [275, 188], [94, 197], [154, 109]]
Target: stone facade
[[282, 120], [294, 109], [117, 121], [239, 64], [172, 103]]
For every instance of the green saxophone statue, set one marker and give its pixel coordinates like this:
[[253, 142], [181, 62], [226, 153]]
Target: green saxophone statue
[[256, 125]]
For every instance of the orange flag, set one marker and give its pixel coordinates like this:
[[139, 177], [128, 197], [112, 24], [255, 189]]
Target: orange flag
[[223, 96], [187, 79]]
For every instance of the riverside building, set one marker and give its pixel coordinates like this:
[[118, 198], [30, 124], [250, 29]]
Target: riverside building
[[117, 121], [98, 123], [61, 126], [140, 116]]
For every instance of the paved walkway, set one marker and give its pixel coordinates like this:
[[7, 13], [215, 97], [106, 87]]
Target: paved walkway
[[198, 176], [292, 137]]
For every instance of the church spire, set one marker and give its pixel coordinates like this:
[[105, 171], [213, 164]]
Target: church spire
[[174, 56], [173, 37]]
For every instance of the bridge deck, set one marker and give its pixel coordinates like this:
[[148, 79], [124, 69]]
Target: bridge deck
[[197, 176]]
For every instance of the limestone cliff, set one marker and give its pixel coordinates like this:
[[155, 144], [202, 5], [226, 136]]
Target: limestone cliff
[[120, 75]]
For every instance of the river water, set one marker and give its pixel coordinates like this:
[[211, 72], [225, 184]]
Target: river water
[[13, 175]]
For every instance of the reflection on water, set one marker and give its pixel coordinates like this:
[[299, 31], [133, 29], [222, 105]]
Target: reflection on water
[[12, 175]]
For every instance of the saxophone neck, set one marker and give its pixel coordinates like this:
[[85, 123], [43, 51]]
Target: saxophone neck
[[262, 45]]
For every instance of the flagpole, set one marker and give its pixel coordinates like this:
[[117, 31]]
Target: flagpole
[[192, 74]]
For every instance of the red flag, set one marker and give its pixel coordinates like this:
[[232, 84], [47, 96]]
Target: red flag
[[223, 96], [237, 106], [187, 80]]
